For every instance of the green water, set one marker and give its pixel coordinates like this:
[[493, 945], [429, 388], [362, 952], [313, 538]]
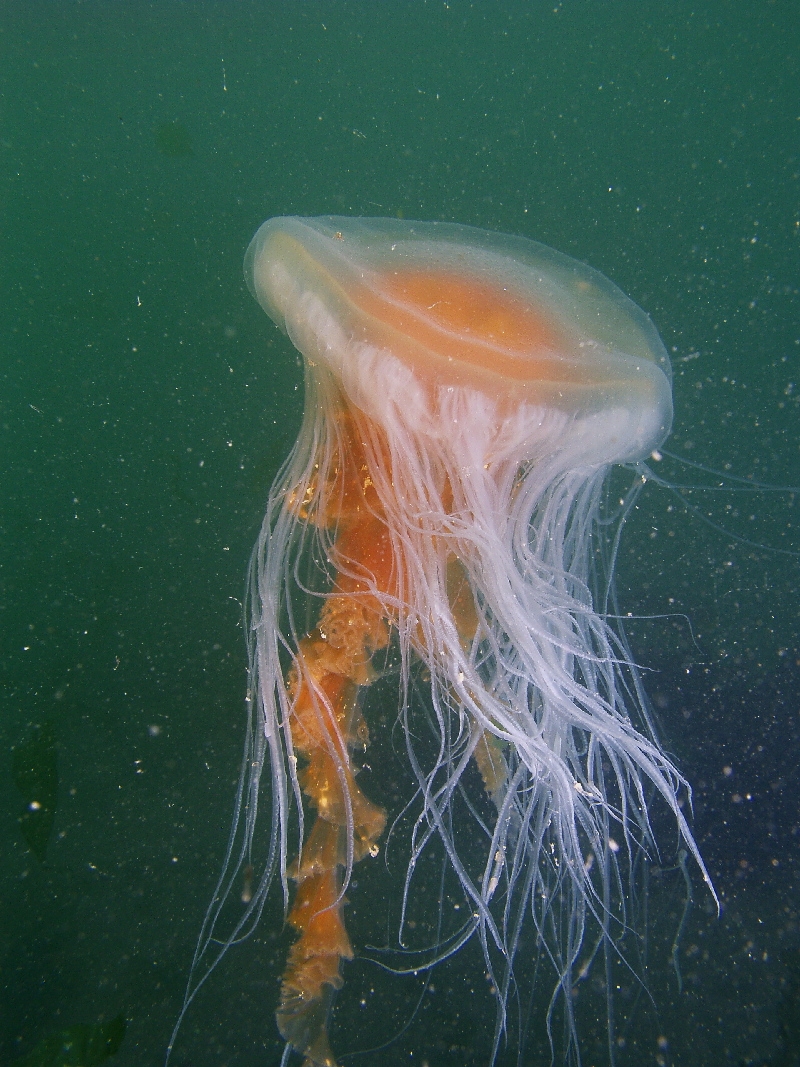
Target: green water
[[146, 403]]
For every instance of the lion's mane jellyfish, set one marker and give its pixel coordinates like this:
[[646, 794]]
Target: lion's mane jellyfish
[[466, 397]]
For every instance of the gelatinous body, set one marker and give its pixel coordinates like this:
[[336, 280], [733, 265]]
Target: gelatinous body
[[466, 396]]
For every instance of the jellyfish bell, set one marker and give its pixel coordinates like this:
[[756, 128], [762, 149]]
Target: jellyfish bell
[[466, 396], [400, 311]]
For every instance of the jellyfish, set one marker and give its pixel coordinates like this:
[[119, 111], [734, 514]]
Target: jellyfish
[[442, 521]]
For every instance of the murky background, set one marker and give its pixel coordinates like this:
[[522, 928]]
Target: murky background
[[146, 403]]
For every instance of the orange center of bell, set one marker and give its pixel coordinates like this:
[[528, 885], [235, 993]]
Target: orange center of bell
[[469, 321], [473, 310]]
